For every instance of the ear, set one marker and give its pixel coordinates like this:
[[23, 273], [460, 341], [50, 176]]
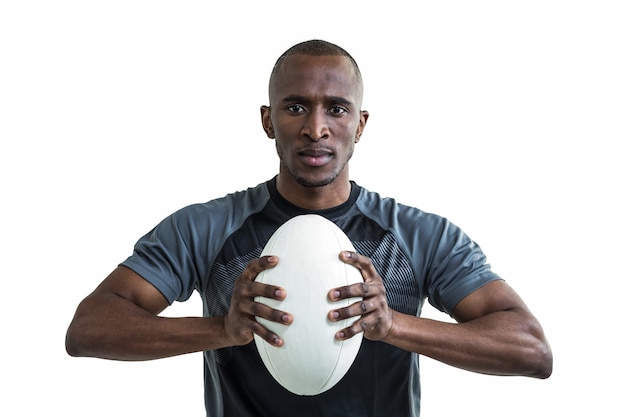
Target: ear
[[266, 121], [362, 121]]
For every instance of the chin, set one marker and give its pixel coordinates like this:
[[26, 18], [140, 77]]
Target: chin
[[306, 182], [314, 177], [312, 181]]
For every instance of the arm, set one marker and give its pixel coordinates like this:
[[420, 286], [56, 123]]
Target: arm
[[495, 334], [120, 319]]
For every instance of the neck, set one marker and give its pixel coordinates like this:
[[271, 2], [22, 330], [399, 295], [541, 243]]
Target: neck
[[314, 198]]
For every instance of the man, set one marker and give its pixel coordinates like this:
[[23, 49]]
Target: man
[[405, 256]]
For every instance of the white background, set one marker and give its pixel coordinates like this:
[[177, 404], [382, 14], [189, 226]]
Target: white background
[[506, 117]]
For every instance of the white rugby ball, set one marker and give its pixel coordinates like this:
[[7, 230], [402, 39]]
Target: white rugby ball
[[311, 359]]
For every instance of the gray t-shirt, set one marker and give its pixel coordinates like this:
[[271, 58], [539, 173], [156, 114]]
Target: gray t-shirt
[[420, 256]]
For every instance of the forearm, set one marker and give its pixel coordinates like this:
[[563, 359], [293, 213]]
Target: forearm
[[500, 343], [110, 327]]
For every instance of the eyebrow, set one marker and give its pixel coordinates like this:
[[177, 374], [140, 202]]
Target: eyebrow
[[294, 98]]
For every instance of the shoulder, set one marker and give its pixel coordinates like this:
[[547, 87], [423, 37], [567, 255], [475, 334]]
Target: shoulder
[[392, 215], [203, 227], [225, 211], [428, 237]]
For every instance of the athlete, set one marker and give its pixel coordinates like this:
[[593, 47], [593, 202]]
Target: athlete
[[406, 256]]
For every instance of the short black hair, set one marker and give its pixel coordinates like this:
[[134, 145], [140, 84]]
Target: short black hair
[[316, 47]]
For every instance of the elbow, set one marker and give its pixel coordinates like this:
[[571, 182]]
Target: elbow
[[543, 368], [533, 354], [534, 361], [75, 342], [538, 355], [72, 347], [83, 332], [540, 358]]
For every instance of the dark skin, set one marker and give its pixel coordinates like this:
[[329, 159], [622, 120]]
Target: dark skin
[[315, 118]]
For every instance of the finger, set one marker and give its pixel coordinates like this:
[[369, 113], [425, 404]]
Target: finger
[[353, 310], [256, 266], [371, 327], [259, 289], [250, 288], [360, 262], [258, 309], [267, 335], [262, 311], [360, 289], [350, 331]]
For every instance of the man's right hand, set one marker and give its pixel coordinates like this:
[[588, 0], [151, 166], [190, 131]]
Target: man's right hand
[[240, 324]]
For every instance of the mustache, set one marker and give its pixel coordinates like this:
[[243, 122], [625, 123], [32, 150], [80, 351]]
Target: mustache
[[316, 150]]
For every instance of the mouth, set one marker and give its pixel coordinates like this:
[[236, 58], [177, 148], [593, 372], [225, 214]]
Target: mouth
[[315, 157]]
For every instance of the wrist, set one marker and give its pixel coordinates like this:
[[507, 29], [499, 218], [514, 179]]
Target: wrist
[[389, 333]]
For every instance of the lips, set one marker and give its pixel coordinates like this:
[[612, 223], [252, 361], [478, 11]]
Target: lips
[[315, 157]]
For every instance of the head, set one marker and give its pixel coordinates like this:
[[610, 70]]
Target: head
[[315, 115], [317, 48]]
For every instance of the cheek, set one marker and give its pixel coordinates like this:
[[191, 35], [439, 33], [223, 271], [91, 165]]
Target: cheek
[[286, 129], [281, 148], [350, 131]]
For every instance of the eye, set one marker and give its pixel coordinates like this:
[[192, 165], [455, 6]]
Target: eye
[[337, 111], [295, 108]]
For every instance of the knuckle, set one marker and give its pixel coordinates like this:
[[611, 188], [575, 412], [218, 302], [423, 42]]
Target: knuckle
[[255, 308], [350, 331], [342, 313], [257, 328], [269, 291], [277, 316], [344, 292]]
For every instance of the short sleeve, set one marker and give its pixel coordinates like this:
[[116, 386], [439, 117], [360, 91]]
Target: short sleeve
[[167, 256], [457, 268]]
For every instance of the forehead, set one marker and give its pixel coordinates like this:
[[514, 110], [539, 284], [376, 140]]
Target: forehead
[[311, 76]]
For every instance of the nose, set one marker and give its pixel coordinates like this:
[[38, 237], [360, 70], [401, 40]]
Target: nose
[[315, 126]]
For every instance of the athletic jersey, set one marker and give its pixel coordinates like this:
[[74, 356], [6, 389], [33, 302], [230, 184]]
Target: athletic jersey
[[205, 247]]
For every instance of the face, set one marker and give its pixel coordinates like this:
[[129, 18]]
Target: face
[[315, 118]]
